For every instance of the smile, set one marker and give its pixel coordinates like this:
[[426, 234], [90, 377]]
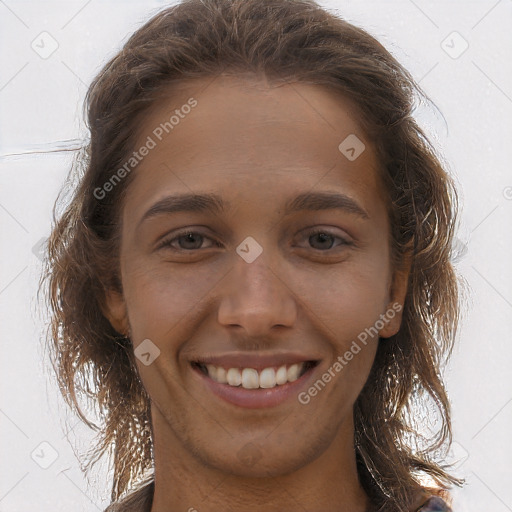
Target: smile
[[250, 378], [269, 384]]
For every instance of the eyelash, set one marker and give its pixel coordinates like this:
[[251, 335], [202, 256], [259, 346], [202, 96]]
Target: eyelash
[[167, 243]]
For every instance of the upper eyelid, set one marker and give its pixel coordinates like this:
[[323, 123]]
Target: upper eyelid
[[166, 240]]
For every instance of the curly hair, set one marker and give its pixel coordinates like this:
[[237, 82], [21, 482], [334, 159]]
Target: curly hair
[[284, 40]]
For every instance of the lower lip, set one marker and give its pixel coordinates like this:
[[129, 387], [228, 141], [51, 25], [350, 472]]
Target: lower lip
[[256, 398]]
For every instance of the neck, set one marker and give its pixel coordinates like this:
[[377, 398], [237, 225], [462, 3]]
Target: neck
[[183, 482]]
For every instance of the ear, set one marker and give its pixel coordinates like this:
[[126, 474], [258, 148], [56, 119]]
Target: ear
[[115, 311], [397, 294]]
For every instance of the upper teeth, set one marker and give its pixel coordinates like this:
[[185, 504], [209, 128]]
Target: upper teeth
[[250, 378]]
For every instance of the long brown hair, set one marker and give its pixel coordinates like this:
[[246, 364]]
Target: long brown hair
[[284, 40]]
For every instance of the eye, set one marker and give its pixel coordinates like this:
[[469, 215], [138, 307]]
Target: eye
[[324, 239], [187, 241]]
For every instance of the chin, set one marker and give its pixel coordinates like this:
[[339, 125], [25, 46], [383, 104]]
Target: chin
[[264, 460]]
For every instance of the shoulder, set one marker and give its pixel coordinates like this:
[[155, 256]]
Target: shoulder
[[138, 500], [434, 504]]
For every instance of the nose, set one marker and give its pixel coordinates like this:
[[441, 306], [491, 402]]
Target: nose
[[257, 298]]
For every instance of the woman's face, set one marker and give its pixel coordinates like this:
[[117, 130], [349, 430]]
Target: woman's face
[[274, 274]]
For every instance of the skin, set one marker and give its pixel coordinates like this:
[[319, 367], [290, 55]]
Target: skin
[[256, 145]]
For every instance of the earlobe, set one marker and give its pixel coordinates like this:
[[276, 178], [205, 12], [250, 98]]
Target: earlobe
[[115, 311], [398, 292], [392, 319]]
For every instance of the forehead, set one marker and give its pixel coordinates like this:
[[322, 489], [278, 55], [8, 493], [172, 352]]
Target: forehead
[[255, 135], [247, 110]]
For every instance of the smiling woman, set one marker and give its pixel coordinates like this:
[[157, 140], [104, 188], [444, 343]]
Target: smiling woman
[[259, 285]]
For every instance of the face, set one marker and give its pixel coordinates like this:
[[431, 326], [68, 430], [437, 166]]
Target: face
[[254, 249]]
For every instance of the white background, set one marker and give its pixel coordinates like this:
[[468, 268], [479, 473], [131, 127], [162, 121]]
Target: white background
[[41, 105]]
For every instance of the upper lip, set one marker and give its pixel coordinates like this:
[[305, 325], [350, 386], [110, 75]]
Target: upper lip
[[252, 360]]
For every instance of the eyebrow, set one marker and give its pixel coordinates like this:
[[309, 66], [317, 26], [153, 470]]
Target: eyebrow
[[316, 201], [214, 204]]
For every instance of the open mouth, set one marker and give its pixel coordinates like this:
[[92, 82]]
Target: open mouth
[[251, 378]]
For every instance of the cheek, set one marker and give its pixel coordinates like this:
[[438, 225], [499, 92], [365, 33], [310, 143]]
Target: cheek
[[348, 298], [160, 298]]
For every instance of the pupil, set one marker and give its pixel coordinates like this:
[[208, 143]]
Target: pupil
[[189, 238], [323, 237]]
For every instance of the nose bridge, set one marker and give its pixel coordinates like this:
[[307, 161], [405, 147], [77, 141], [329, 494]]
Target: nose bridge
[[257, 298], [257, 282]]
